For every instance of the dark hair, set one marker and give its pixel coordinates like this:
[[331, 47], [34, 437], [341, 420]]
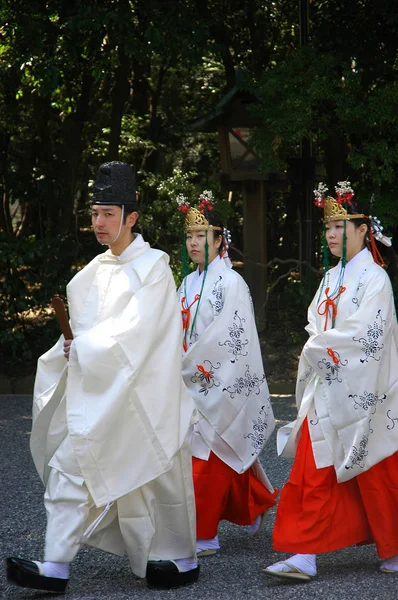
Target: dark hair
[[215, 220], [127, 211], [353, 209], [370, 242]]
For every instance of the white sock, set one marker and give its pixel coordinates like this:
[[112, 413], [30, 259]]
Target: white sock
[[304, 562], [185, 564], [253, 528], [56, 569], [390, 563], [207, 544]]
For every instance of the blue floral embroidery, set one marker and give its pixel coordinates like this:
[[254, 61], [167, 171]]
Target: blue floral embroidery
[[332, 369], [367, 400], [259, 428], [249, 383], [360, 452], [315, 421], [305, 376], [360, 284], [370, 344], [394, 420], [236, 344], [205, 376], [250, 299], [218, 303]]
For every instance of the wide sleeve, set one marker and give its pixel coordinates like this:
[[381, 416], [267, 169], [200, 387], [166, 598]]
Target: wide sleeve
[[305, 370], [135, 334], [126, 399], [355, 350], [50, 368], [224, 372], [357, 367]]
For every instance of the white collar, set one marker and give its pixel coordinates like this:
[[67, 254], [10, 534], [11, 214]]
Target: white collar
[[137, 247], [210, 266], [363, 254]]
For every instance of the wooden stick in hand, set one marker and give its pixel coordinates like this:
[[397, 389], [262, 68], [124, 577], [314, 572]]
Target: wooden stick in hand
[[60, 311]]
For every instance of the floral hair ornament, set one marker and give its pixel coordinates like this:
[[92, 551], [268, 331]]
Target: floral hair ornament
[[377, 231], [227, 237], [195, 219], [335, 211], [334, 207]]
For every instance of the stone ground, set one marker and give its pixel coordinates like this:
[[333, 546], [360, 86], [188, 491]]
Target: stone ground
[[235, 573]]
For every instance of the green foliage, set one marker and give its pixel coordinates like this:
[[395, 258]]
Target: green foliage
[[340, 93], [163, 224], [32, 272], [86, 81], [287, 311]]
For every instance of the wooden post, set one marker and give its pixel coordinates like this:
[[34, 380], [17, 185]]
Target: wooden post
[[255, 244]]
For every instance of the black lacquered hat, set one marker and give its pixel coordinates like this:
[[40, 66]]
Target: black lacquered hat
[[115, 185]]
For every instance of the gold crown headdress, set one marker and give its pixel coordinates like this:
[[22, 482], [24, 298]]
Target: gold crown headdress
[[195, 219], [333, 207], [335, 211]]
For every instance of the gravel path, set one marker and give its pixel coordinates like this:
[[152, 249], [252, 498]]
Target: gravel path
[[235, 573]]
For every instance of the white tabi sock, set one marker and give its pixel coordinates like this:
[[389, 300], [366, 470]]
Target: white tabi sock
[[56, 569], [207, 544], [390, 563], [305, 562], [185, 564], [254, 527]]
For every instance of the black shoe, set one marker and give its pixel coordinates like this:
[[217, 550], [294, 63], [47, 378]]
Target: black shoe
[[163, 574], [26, 574]]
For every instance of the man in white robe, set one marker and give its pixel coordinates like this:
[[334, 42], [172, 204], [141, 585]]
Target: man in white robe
[[111, 412]]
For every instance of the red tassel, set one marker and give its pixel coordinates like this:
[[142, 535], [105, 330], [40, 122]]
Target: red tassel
[[377, 257]]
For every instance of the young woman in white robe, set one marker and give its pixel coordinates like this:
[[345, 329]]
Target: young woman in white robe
[[343, 489], [223, 370]]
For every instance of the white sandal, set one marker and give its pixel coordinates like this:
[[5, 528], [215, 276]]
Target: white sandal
[[206, 552], [294, 572]]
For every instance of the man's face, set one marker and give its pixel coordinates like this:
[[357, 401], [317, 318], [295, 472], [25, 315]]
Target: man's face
[[106, 222], [196, 241]]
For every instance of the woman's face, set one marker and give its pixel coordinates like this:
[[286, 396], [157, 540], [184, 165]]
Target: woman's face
[[196, 241], [355, 238]]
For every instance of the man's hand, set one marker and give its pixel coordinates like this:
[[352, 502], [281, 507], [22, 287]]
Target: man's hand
[[67, 345]]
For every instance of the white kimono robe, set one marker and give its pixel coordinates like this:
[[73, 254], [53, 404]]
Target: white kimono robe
[[120, 402], [347, 382], [223, 369]]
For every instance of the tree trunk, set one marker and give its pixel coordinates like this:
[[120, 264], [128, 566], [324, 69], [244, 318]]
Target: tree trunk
[[5, 218], [72, 168], [120, 95]]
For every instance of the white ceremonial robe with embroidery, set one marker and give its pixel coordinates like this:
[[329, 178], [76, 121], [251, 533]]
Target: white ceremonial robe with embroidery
[[224, 372], [117, 414], [347, 382]]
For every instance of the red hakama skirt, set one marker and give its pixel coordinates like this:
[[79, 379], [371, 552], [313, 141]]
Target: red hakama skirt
[[221, 493], [318, 514]]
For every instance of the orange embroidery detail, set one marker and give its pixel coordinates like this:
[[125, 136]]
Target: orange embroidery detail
[[329, 303], [333, 356], [202, 370]]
